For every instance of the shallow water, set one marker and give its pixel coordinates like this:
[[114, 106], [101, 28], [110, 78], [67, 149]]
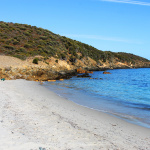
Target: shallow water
[[124, 93]]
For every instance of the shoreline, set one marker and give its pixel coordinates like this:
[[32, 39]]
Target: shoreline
[[32, 116], [81, 98], [129, 119]]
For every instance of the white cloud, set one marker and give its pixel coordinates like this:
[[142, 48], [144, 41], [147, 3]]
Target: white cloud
[[97, 37], [128, 2]]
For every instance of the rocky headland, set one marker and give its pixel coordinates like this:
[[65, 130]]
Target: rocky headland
[[12, 68], [28, 52]]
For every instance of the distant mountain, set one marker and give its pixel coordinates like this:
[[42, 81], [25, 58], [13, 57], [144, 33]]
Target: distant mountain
[[23, 41]]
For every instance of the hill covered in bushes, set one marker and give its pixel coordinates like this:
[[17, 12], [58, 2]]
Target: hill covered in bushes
[[24, 41]]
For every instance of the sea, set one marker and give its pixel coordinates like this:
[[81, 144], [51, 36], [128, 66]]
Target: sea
[[125, 93]]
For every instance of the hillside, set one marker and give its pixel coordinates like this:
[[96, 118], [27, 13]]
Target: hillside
[[27, 42]]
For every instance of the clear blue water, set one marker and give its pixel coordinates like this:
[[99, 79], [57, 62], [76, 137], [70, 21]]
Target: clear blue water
[[124, 93]]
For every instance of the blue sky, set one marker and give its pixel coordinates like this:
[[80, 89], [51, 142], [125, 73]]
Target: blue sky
[[109, 25]]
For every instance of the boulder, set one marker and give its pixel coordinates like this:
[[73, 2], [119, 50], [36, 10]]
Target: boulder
[[85, 75], [105, 72]]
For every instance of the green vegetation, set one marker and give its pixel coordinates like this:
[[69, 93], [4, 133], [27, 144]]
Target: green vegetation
[[35, 60], [22, 41]]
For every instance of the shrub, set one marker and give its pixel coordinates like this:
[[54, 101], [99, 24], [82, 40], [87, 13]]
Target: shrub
[[9, 47], [72, 59], [15, 42], [45, 58], [3, 25], [22, 49], [27, 33], [46, 62], [63, 56], [43, 37], [33, 53], [23, 57], [22, 28], [27, 45], [35, 60]]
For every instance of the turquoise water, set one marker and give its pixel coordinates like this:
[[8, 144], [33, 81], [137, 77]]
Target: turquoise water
[[124, 93]]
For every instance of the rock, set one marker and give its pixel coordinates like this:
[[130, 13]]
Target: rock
[[51, 80], [106, 72], [85, 75], [61, 79], [62, 73], [80, 70], [39, 73], [7, 68]]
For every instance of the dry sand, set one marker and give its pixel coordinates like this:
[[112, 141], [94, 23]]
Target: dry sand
[[7, 61], [32, 117]]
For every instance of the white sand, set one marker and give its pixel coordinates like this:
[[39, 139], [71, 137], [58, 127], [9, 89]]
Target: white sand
[[31, 117]]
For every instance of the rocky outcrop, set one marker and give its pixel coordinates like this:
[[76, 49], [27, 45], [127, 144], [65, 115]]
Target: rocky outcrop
[[35, 74], [12, 68]]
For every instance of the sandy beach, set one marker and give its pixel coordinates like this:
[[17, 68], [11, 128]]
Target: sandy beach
[[33, 118]]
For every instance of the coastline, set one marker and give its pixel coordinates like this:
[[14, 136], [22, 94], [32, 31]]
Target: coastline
[[12, 68], [31, 117], [102, 93]]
